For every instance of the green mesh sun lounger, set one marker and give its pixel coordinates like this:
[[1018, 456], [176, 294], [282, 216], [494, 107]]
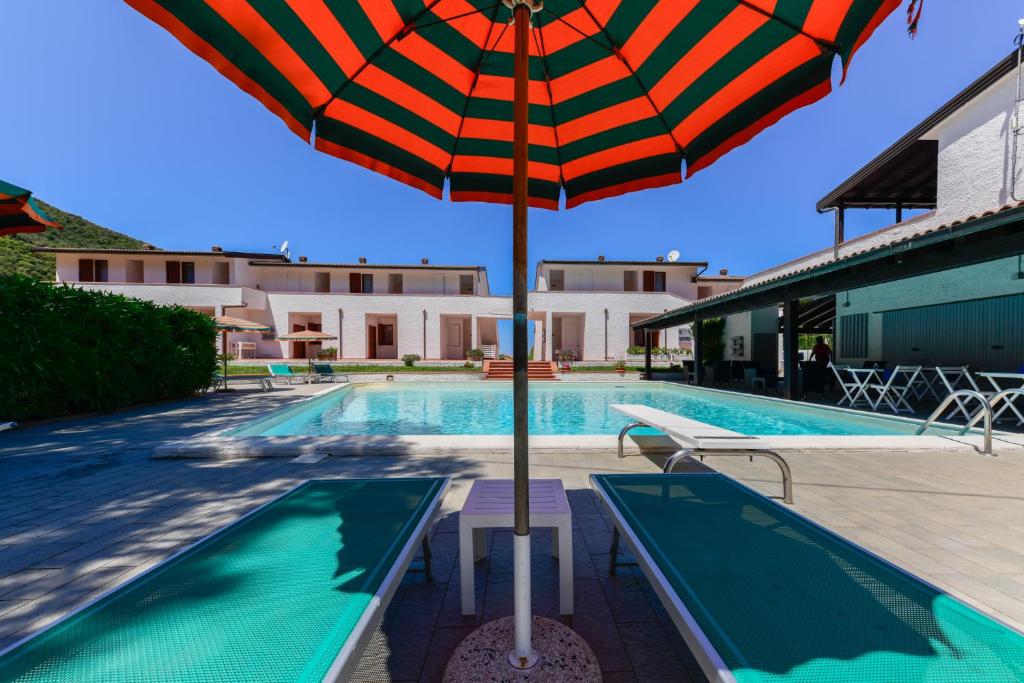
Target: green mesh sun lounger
[[763, 595], [291, 592]]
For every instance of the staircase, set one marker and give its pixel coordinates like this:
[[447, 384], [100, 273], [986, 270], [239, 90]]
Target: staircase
[[536, 370]]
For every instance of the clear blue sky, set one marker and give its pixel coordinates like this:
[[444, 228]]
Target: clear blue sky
[[107, 116]]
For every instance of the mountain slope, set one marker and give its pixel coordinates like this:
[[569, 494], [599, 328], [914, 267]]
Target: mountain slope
[[16, 250]]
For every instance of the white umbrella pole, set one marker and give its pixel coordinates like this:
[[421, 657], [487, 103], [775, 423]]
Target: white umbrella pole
[[523, 655]]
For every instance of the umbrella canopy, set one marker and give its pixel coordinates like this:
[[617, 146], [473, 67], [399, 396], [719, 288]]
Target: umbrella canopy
[[306, 336], [620, 93], [20, 213], [226, 323], [519, 100]]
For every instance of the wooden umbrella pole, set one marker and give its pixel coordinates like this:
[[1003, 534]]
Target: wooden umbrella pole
[[523, 655]]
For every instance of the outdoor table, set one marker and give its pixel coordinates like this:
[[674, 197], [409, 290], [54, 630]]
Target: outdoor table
[[863, 378], [489, 505], [993, 379]]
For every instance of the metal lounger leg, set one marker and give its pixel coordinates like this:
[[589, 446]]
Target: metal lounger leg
[[787, 474], [613, 552], [427, 569], [622, 435]]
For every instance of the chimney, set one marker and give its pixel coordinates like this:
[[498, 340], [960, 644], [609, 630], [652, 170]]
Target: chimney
[[303, 259], [424, 261], [600, 258], [216, 249], [660, 259], [723, 272], [362, 259]]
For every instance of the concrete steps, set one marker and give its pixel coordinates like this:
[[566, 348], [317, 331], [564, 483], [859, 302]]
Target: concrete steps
[[536, 370]]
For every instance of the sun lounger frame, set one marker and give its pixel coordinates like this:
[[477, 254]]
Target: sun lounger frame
[[704, 652], [742, 445], [348, 656]]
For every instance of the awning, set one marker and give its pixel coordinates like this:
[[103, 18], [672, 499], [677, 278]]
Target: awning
[[965, 242]]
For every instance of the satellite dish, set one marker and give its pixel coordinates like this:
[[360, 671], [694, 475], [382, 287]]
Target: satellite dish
[[284, 249], [673, 255]]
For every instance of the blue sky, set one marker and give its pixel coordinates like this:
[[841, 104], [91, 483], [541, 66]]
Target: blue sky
[[109, 117]]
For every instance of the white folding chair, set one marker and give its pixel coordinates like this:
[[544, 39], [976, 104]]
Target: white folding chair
[[895, 391], [850, 388], [956, 378]]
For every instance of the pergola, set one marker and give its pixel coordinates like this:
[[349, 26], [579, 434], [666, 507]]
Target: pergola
[[804, 293]]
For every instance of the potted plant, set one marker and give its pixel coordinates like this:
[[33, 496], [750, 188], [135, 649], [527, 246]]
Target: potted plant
[[410, 359], [620, 367], [564, 358], [330, 353], [474, 356]]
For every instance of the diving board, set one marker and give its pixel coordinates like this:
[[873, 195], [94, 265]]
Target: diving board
[[291, 592], [761, 594]]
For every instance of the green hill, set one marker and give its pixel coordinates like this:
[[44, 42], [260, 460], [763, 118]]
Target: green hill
[[16, 250]]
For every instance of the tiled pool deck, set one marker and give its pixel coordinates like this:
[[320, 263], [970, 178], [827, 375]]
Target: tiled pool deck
[[83, 508]]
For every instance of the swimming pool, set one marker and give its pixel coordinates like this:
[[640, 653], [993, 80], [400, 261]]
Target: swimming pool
[[556, 409]]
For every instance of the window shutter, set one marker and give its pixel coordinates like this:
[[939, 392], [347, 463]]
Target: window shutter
[[173, 272], [355, 283], [648, 280]]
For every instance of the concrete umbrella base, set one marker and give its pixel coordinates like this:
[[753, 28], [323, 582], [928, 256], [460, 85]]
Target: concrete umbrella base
[[483, 655]]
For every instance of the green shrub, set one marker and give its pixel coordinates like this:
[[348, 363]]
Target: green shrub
[[410, 359], [71, 350], [475, 354]]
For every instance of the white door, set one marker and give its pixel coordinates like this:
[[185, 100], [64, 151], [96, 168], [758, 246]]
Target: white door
[[453, 346], [572, 332]]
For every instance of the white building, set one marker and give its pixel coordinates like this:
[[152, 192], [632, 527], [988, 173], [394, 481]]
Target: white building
[[375, 311], [943, 287], [589, 307]]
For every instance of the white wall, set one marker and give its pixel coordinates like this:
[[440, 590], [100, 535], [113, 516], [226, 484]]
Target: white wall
[[609, 277], [543, 305]]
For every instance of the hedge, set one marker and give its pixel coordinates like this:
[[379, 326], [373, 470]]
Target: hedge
[[71, 350]]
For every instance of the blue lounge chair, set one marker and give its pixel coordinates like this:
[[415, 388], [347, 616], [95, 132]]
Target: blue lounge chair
[[760, 593], [293, 591], [325, 373], [280, 372]]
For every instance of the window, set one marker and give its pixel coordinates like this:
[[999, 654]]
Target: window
[[465, 284], [385, 335], [360, 283], [135, 271], [395, 283], [630, 282], [183, 272], [321, 282], [654, 281], [92, 270], [221, 273], [638, 338], [556, 281]]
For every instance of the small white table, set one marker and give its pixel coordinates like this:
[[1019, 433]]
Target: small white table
[[489, 505]]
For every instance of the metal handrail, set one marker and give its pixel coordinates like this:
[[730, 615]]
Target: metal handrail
[[787, 475], [986, 410], [992, 402]]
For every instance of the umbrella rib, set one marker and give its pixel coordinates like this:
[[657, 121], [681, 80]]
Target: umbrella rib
[[617, 51], [538, 38], [472, 88], [824, 44]]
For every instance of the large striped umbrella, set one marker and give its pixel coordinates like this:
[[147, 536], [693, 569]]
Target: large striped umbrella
[[20, 213], [518, 101], [227, 323]]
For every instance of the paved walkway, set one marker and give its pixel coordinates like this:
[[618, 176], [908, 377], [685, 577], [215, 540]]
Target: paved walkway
[[84, 508]]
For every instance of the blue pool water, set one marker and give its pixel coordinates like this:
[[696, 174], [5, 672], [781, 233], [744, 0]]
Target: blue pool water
[[424, 408]]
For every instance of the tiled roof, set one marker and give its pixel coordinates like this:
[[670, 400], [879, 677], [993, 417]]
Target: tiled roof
[[161, 252], [595, 262], [815, 261], [364, 266], [720, 278]]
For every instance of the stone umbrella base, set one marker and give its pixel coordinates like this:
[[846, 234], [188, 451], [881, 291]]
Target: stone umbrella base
[[483, 655]]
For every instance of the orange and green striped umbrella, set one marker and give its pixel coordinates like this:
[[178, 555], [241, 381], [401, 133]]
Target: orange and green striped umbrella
[[622, 93], [20, 213]]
